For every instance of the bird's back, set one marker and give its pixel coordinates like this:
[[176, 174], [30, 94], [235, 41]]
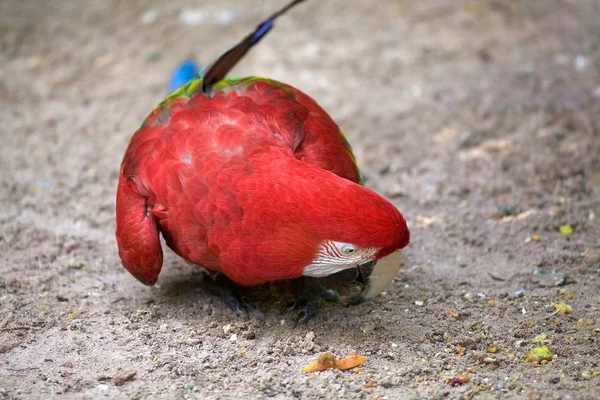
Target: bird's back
[[184, 155]]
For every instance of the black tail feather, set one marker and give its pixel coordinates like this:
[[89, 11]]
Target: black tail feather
[[226, 61]]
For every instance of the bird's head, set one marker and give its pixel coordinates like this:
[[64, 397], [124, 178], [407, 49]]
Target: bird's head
[[357, 228]]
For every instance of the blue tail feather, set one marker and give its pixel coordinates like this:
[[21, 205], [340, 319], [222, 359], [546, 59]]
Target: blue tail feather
[[185, 71], [262, 30]]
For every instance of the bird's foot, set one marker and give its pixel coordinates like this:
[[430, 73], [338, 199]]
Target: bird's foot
[[308, 302], [230, 293]]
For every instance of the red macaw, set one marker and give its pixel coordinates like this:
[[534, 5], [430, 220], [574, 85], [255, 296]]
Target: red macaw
[[251, 178]]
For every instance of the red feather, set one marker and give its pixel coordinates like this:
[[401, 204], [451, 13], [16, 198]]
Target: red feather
[[249, 182]]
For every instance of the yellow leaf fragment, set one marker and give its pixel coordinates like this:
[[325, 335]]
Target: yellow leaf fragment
[[492, 348], [566, 294], [563, 308]]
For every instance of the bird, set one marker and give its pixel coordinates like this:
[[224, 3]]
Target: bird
[[250, 179]]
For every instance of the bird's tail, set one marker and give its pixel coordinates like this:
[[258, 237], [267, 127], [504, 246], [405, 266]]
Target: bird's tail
[[226, 61]]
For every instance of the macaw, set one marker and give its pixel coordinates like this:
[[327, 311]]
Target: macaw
[[250, 178]]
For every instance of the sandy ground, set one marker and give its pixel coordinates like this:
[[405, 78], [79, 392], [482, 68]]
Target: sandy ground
[[479, 119]]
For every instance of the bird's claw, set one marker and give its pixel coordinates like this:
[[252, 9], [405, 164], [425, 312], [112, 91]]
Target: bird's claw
[[329, 295], [226, 289], [305, 308], [310, 295], [237, 304]]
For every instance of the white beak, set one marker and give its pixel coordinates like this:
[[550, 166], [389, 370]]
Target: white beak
[[383, 273]]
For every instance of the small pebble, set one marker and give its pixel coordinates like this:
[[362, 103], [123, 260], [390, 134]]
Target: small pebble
[[385, 169], [499, 385], [368, 328], [225, 17], [581, 62], [586, 375], [149, 17], [191, 17], [249, 335]]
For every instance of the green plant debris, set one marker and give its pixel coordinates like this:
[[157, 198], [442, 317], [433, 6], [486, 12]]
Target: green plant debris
[[566, 230], [539, 355]]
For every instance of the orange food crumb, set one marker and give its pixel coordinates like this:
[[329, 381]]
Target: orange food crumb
[[459, 380], [328, 360], [350, 361]]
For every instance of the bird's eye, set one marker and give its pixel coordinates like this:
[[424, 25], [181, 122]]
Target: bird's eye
[[348, 249]]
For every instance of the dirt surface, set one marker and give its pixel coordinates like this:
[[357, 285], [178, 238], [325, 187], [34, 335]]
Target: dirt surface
[[479, 119]]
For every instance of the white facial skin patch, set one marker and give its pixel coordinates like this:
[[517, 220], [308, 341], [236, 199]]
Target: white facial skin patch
[[321, 271], [334, 257]]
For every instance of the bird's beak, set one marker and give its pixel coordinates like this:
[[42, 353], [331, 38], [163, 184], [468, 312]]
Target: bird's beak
[[382, 273]]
